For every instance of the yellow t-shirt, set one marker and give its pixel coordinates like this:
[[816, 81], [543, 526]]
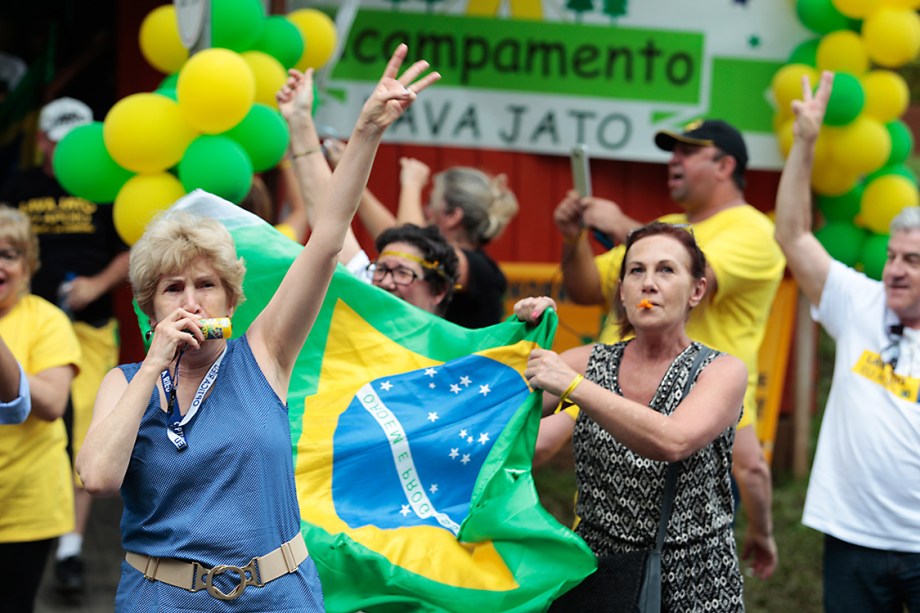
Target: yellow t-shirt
[[36, 485], [748, 265]]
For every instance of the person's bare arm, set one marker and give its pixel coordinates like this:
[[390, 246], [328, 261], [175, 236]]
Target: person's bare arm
[[413, 177], [50, 391], [84, 290], [9, 374], [806, 257], [580, 277], [752, 474]]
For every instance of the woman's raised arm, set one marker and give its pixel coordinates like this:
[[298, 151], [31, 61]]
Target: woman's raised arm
[[278, 333]]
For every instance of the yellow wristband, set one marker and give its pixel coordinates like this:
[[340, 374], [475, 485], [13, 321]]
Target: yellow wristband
[[571, 388]]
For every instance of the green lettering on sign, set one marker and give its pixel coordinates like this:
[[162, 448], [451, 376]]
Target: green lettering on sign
[[530, 56]]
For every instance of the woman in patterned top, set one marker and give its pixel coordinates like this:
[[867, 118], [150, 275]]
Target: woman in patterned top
[[633, 422]]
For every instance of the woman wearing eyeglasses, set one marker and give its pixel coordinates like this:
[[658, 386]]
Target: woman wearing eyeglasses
[[417, 265], [36, 493]]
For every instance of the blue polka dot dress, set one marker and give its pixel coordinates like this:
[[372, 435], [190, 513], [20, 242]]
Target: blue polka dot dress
[[226, 498]]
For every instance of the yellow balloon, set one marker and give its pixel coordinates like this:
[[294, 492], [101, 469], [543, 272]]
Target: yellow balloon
[[842, 51], [159, 40], [216, 89], [146, 132], [140, 199], [269, 74], [862, 146], [857, 9], [887, 95], [787, 84], [892, 36], [884, 198], [319, 37], [828, 179], [902, 4]]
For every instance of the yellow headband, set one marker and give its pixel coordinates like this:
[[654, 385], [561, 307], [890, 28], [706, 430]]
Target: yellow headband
[[421, 262]]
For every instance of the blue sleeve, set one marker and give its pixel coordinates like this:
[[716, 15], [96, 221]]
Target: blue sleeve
[[16, 411]]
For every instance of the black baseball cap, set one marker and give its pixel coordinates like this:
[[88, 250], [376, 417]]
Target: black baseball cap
[[709, 132]]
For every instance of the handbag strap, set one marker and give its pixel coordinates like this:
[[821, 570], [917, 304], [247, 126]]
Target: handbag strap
[[670, 482]]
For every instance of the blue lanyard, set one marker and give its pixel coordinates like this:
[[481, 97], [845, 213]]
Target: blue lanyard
[[175, 428]]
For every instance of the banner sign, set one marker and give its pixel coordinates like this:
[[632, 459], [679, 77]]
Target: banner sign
[[541, 77]]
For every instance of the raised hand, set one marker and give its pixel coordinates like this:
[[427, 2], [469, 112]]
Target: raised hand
[[569, 215], [809, 111], [394, 93], [413, 173], [296, 95]]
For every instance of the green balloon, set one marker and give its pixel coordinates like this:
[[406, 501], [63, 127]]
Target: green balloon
[[169, 92], [84, 167], [841, 208], [236, 24], [170, 82], [218, 165], [805, 53], [263, 134], [846, 101], [821, 16], [874, 254], [281, 39], [895, 169], [842, 240], [902, 142]]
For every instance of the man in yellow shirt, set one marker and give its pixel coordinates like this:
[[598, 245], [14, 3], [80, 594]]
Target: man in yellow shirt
[[745, 266]]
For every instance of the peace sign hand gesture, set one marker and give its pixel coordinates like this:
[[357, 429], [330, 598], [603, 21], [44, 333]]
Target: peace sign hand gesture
[[393, 95], [809, 111]]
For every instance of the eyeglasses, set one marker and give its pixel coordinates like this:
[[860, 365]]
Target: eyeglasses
[[10, 256], [402, 276]]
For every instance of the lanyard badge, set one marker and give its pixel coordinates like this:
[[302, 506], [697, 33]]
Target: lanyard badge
[[175, 428]]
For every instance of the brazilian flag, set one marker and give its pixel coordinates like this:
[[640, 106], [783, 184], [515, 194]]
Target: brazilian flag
[[412, 440]]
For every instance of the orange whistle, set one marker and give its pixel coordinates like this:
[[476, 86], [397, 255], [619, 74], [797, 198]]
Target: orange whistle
[[644, 304]]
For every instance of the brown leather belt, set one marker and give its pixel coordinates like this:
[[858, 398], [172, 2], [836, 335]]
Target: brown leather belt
[[195, 577]]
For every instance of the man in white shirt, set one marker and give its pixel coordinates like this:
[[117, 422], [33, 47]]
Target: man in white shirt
[[864, 492]]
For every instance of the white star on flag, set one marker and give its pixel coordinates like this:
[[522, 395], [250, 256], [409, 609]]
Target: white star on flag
[[463, 433], [465, 459], [432, 416], [484, 390], [434, 488], [484, 438], [465, 381], [469, 439], [454, 388], [431, 385], [454, 453], [405, 510], [431, 372], [386, 386]]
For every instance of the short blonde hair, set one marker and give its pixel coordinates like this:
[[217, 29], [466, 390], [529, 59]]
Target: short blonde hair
[[173, 241], [16, 228]]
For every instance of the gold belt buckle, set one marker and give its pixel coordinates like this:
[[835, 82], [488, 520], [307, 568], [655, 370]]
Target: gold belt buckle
[[244, 580]]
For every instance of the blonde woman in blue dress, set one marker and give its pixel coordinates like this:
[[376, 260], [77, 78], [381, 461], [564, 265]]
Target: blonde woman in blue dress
[[196, 437]]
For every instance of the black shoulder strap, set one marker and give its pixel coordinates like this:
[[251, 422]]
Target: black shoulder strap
[[670, 482]]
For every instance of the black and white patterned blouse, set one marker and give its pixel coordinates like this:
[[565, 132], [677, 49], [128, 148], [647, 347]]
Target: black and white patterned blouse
[[619, 496]]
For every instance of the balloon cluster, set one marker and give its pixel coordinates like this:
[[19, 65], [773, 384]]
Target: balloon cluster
[[860, 177], [211, 123]]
